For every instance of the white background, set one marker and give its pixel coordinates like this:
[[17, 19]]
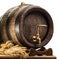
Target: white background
[[52, 6]]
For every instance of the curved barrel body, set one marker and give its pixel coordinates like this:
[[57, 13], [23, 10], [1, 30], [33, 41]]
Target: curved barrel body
[[19, 24]]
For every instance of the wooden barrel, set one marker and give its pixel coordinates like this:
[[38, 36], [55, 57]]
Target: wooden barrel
[[19, 24]]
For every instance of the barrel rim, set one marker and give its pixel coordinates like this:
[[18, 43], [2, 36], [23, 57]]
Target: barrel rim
[[50, 31]]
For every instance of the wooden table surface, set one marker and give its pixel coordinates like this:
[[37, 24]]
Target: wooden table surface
[[30, 57]]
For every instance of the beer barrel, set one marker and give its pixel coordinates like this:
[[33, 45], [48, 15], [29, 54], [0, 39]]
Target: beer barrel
[[19, 24]]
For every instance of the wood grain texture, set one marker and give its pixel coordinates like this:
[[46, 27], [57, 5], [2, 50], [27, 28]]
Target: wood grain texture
[[20, 24], [41, 57], [30, 57]]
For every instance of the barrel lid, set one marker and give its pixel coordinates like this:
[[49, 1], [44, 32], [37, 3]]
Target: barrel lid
[[36, 27]]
